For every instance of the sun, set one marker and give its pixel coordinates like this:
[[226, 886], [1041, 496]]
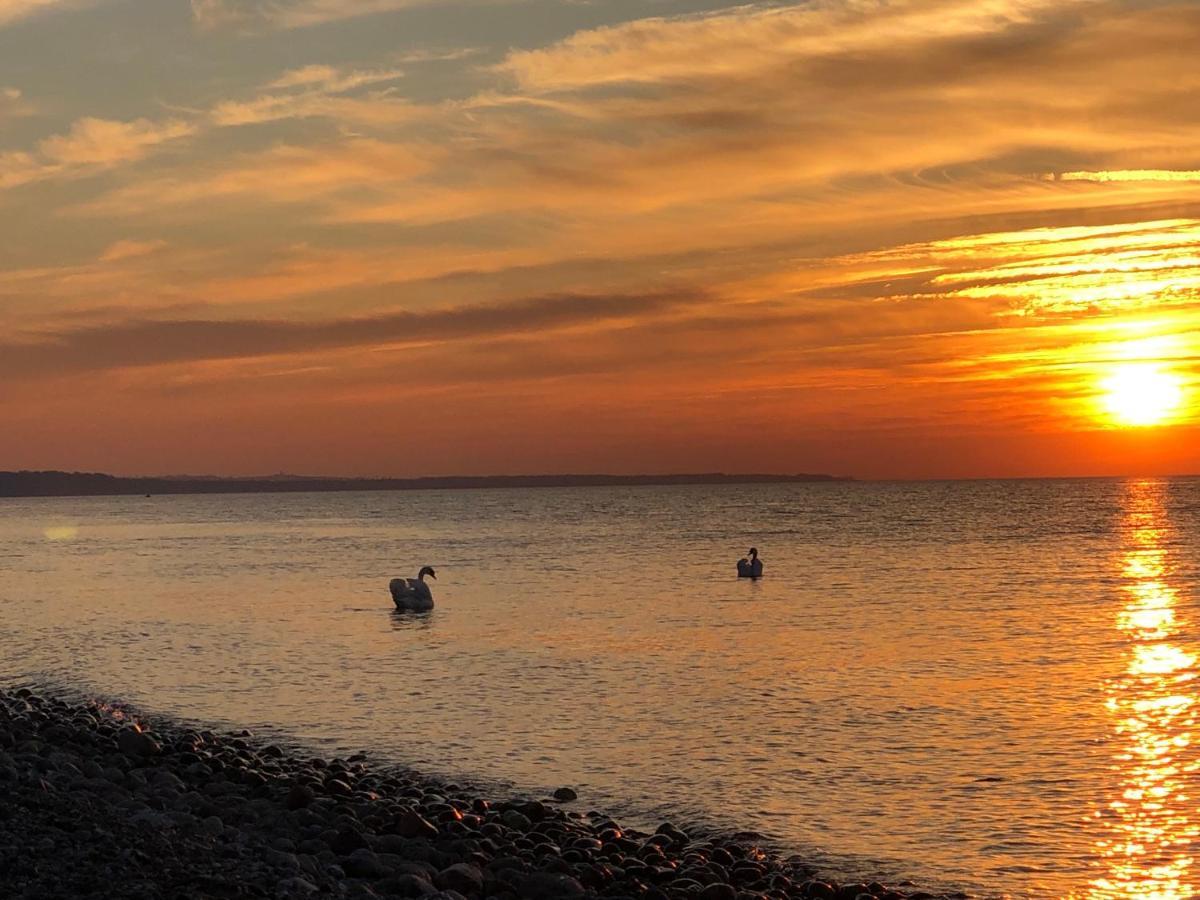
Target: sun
[[1138, 395]]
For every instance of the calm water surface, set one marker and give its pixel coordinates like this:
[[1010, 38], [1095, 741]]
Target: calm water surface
[[988, 685]]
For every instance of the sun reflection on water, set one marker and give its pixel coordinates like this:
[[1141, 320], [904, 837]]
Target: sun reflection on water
[[1146, 851]]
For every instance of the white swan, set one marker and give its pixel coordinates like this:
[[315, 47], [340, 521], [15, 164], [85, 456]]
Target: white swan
[[752, 567], [413, 594]]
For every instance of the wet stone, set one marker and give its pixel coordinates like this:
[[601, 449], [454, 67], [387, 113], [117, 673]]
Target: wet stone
[[90, 801], [718, 891], [410, 824], [550, 886], [347, 841], [300, 796], [362, 863], [137, 743], [406, 885], [516, 820], [462, 877]]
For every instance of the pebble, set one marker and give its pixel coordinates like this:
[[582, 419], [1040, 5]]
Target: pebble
[[136, 743], [95, 805], [411, 824], [718, 891], [462, 877]]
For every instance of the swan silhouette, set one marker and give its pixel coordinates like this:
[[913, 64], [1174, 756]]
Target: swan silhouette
[[752, 567], [413, 594]]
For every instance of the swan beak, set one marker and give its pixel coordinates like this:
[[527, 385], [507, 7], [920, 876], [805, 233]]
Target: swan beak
[[434, 577]]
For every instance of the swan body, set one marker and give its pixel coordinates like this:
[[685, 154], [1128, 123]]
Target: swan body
[[413, 594], [750, 568]]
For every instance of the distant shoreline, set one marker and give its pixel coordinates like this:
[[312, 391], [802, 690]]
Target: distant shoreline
[[95, 484]]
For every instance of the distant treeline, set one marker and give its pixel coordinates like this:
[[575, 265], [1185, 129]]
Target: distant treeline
[[78, 484]]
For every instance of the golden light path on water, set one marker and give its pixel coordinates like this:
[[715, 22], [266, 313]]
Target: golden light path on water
[[1149, 825]]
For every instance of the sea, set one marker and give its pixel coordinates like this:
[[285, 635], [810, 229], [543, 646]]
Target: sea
[[987, 686]]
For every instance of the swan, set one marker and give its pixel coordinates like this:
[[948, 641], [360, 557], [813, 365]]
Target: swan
[[752, 567], [413, 594]]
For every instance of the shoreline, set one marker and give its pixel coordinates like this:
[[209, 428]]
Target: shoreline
[[52, 484], [100, 801]]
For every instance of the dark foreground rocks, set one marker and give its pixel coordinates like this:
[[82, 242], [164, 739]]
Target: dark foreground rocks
[[94, 803]]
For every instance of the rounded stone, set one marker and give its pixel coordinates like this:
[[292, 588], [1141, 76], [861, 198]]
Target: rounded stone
[[718, 891], [132, 742], [462, 877], [550, 886], [516, 820], [300, 796]]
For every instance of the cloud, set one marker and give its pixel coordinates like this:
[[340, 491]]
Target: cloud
[[212, 14], [281, 174], [91, 145], [331, 79], [13, 103], [15, 10], [427, 55], [104, 142], [145, 343], [764, 114], [319, 91], [20, 168], [1128, 175], [844, 205], [130, 250], [751, 38], [722, 146]]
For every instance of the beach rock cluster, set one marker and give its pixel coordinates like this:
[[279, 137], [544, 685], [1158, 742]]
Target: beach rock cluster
[[97, 803]]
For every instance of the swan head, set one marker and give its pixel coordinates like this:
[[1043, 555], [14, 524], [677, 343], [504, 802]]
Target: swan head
[[427, 570], [753, 552]]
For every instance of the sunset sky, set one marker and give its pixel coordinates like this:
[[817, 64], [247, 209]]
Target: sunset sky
[[885, 239]]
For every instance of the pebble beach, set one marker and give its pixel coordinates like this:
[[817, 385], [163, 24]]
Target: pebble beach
[[99, 801]]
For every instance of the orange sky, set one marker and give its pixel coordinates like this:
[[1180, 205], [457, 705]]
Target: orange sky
[[939, 238]]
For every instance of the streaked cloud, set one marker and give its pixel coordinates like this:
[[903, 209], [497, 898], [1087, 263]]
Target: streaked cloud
[[142, 343], [90, 145], [331, 79], [1129, 175], [756, 37], [211, 14], [834, 216], [281, 174], [130, 250], [318, 91], [102, 142], [13, 103], [15, 10]]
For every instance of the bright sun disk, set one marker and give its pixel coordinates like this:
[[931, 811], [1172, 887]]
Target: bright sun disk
[[1141, 394]]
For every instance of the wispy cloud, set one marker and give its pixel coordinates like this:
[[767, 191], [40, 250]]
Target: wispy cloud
[[15, 10], [103, 142], [90, 145], [130, 250], [143, 343], [13, 103], [319, 91], [281, 174], [333, 80], [211, 14], [752, 38], [850, 197], [1121, 175]]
